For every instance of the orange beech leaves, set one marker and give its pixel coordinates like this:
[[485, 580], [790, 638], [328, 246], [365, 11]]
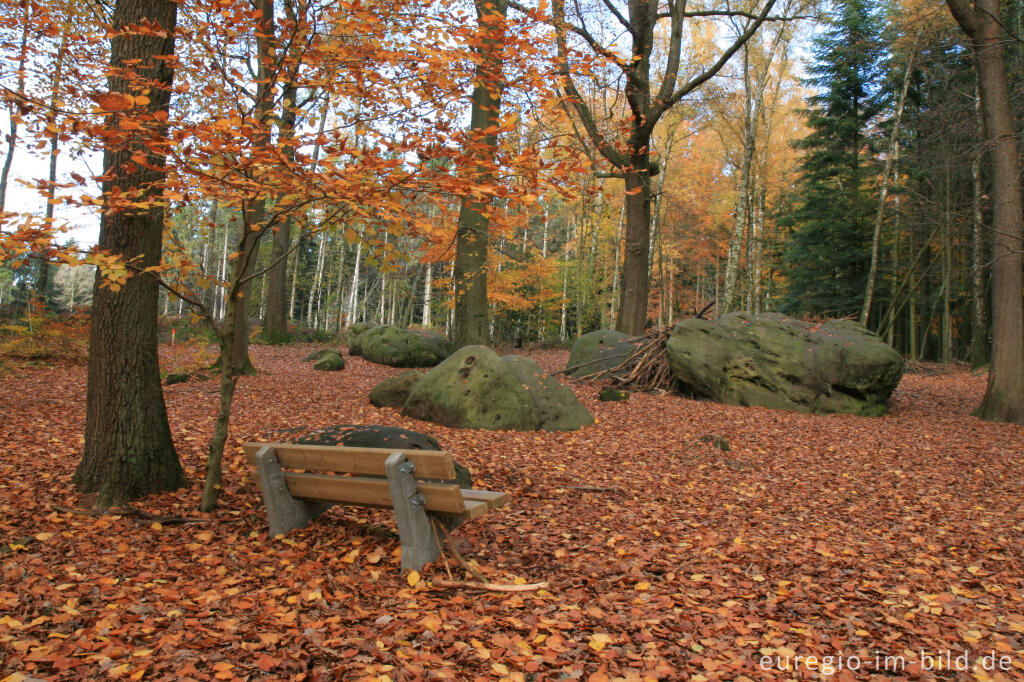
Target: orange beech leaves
[[668, 558]]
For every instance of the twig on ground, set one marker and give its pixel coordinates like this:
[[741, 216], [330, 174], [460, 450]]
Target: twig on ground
[[490, 587], [440, 549], [472, 570]]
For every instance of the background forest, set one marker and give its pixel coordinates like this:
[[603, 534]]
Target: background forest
[[830, 126]]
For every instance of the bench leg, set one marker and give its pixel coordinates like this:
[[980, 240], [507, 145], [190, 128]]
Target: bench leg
[[419, 543], [284, 512]]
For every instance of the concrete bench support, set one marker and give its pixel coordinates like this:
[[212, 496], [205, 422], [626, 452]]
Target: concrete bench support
[[284, 512], [419, 540]]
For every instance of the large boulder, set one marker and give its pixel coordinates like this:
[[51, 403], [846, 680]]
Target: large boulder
[[355, 331], [770, 360], [394, 391], [557, 406], [476, 389], [403, 347], [369, 436], [599, 351], [473, 389]]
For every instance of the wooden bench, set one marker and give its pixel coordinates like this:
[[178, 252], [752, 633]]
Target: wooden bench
[[412, 482]]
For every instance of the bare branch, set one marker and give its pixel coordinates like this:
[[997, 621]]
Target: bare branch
[[664, 104]]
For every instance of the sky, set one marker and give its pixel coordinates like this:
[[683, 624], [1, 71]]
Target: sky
[[29, 166]]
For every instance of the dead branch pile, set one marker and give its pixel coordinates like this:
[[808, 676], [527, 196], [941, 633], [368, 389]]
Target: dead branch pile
[[646, 368]]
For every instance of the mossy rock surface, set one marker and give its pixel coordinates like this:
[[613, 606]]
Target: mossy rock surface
[[394, 391], [356, 330], [771, 360], [473, 389], [330, 362], [369, 436], [403, 347], [611, 394], [599, 351], [558, 408], [323, 352], [176, 378], [476, 389]]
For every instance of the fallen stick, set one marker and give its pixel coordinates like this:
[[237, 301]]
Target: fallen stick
[[489, 587], [458, 556]]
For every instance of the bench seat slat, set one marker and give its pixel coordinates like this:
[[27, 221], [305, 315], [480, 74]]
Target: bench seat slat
[[363, 461], [474, 510], [493, 498], [372, 492]]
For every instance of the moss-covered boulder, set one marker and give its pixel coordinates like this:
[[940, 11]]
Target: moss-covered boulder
[[369, 436], [318, 354], [558, 408], [611, 394], [356, 330], [599, 351], [770, 360], [331, 361], [403, 347], [476, 389], [473, 389], [394, 391]]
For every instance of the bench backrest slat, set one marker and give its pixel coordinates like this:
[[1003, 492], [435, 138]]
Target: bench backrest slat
[[371, 492], [361, 461]]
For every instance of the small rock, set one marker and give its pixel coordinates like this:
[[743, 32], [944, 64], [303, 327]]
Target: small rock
[[610, 393]]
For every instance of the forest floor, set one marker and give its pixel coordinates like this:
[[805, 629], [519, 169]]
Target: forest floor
[[893, 544]]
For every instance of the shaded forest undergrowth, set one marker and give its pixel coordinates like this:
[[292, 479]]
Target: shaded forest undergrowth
[[667, 557]]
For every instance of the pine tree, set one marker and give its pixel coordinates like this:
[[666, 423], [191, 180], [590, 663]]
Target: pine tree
[[826, 260]]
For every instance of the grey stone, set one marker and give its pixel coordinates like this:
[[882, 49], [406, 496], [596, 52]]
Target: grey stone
[[476, 389], [473, 389], [318, 354], [394, 391], [599, 351], [403, 347], [355, 331], [611, 394], [331, 361], [557, 406], [774, 361]]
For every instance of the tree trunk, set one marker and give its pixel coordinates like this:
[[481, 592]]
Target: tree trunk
[[979, 326], [13, 109], [635, 283], [473, 227], [128, 450], [883, 195], [1004, 395], [741, 215], [427, 287]]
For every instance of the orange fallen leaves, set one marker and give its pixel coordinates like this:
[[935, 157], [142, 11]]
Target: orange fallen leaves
[[839, 553]]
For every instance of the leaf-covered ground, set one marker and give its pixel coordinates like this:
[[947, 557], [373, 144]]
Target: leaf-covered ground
[[668, 558]]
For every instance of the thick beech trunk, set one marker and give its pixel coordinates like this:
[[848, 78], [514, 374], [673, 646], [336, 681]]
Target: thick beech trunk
[[128, 448], [1004, 396]]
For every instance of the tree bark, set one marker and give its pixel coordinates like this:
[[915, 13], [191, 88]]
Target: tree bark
[[979, 327], [128, 450], [1004, 395], [473, 227], [884, 194]]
